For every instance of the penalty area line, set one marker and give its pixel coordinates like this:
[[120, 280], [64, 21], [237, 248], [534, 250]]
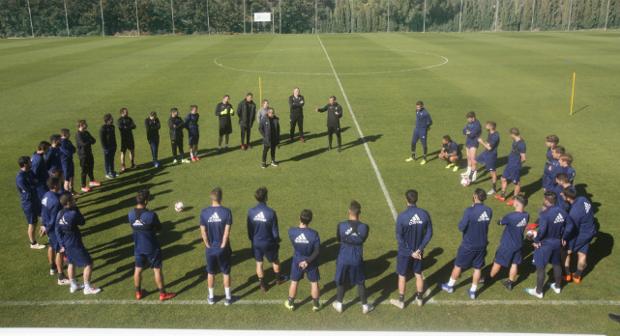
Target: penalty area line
[[433, 302], [373, 163]]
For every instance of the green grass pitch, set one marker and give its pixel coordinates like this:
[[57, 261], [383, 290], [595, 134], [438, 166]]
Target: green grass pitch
[[516, 79]]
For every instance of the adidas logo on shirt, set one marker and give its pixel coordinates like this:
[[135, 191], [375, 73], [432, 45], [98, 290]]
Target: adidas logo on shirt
[[484, 217], [260, 217], [214, 218], [350, 232], [415, 220], [137, 223], [588, 206], [44, 202], [558, 219], [62, 221], [522, 223], [301, 239]]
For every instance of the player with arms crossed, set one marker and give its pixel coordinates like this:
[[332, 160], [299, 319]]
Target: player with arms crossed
[[306, 244], [414, 230], [215, 223], [352, 235], [475, 228], [145, 225], [263, 233]]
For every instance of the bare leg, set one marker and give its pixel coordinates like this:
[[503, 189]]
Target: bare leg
[[512, 274], [402, 285], [495, 269], [419, 283], [88, 270], [456, 273], [137, 277], [259, 270], [315, 292], [159, 279], [292, 290], [59, 259], [476, 277]]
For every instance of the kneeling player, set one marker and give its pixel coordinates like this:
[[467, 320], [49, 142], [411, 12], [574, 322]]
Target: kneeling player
[[512, 173], [306, 243], [350, 263], [508, 253], [414, 230], [489, 157], [264, 235], [475, 228], [548, 244], [215, 223], [449, 152], [67, 229], [49, 211], [583, 231], [145, 225]]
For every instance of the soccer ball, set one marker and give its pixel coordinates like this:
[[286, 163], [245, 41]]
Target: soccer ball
[[531, 231], [465, 181], [178, 206]]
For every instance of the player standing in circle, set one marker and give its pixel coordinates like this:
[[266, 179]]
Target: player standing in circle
[[270, 130], [246, 111], [31, 205], [423, 122], [224, 111], [153, 125], [126, 127], [334, 113], [296, 103], [414, 230], [489, 156], [193, 132], [512, 172], [583, 231], [472, 132]]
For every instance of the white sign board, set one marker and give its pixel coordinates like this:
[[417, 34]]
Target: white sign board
[[262, 17]]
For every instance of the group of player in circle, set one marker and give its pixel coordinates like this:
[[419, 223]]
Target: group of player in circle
[[565, 224]]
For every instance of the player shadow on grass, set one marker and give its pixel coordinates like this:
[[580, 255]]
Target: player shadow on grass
[[361, 141], [285, 139], [484, 174]]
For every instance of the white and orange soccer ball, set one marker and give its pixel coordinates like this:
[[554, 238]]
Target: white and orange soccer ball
[[179, 206]]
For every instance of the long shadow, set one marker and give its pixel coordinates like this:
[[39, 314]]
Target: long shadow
[[434, 280], [308, 136], [532, 188], [306, 155], [361, 141], [197, 276]]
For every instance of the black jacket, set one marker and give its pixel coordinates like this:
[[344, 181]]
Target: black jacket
[[126, 127], [334, 113], [152, 129], [296, 104], [107, 135], [246, 111], [84, 143], [269, 128], [176, 126], [224, 112]]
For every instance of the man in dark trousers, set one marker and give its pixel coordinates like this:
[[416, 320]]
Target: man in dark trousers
[[270, 130], [423, 123], [334, 113], [296, 103], [85, 152], [247, 113], [224, 111], [126, 127]]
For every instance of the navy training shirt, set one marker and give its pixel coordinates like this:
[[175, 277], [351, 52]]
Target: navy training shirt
[[351, 235], [551, 226], [215, 219], [49, 211], [475, 226], [493, 140], [262, 223], [474, 129], [68, 232], [515, 223], [582, 215], [518, 148], [145, 225], [414, 230], [423, 119], [305, 241], [26, 186]]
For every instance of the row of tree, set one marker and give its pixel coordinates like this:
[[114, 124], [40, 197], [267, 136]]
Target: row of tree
[[87, 17]]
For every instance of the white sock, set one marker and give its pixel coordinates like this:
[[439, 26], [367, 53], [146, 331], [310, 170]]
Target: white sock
[[211, 293], [451, 282], [86, 284], [474, 287], [468, 170], [227, 292]]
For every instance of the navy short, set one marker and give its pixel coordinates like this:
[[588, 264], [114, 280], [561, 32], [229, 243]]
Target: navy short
[[507, 257], [512, 174], [41, 190], [127, 144], [218, 259], [78, 256], [466, 258], [312, 272], [144, 260], [547, 254], [32, 213], [53, 242], [580, 244], [547, 182], [68, 170], [349, 274], [266, 251], [471, 143], [406, 263], [489, 160], [193, 138]]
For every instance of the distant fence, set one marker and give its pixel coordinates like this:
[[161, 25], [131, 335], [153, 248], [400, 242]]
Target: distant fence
[[23, 18]]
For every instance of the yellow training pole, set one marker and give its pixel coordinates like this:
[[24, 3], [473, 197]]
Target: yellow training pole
[[260, 89], [572, 94]]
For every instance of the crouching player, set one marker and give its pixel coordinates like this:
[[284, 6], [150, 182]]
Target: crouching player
[[264, 234], [449, 152], [475, 228], [145, 225], [414, 230], [306, 243], [512, 172], [68, 224], [548, 245], [50, 206], [489, 157], [583, 231], [508, 253], [350, 263]]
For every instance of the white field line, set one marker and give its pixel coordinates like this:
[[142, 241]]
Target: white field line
[[433, 302], [386, 193]]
